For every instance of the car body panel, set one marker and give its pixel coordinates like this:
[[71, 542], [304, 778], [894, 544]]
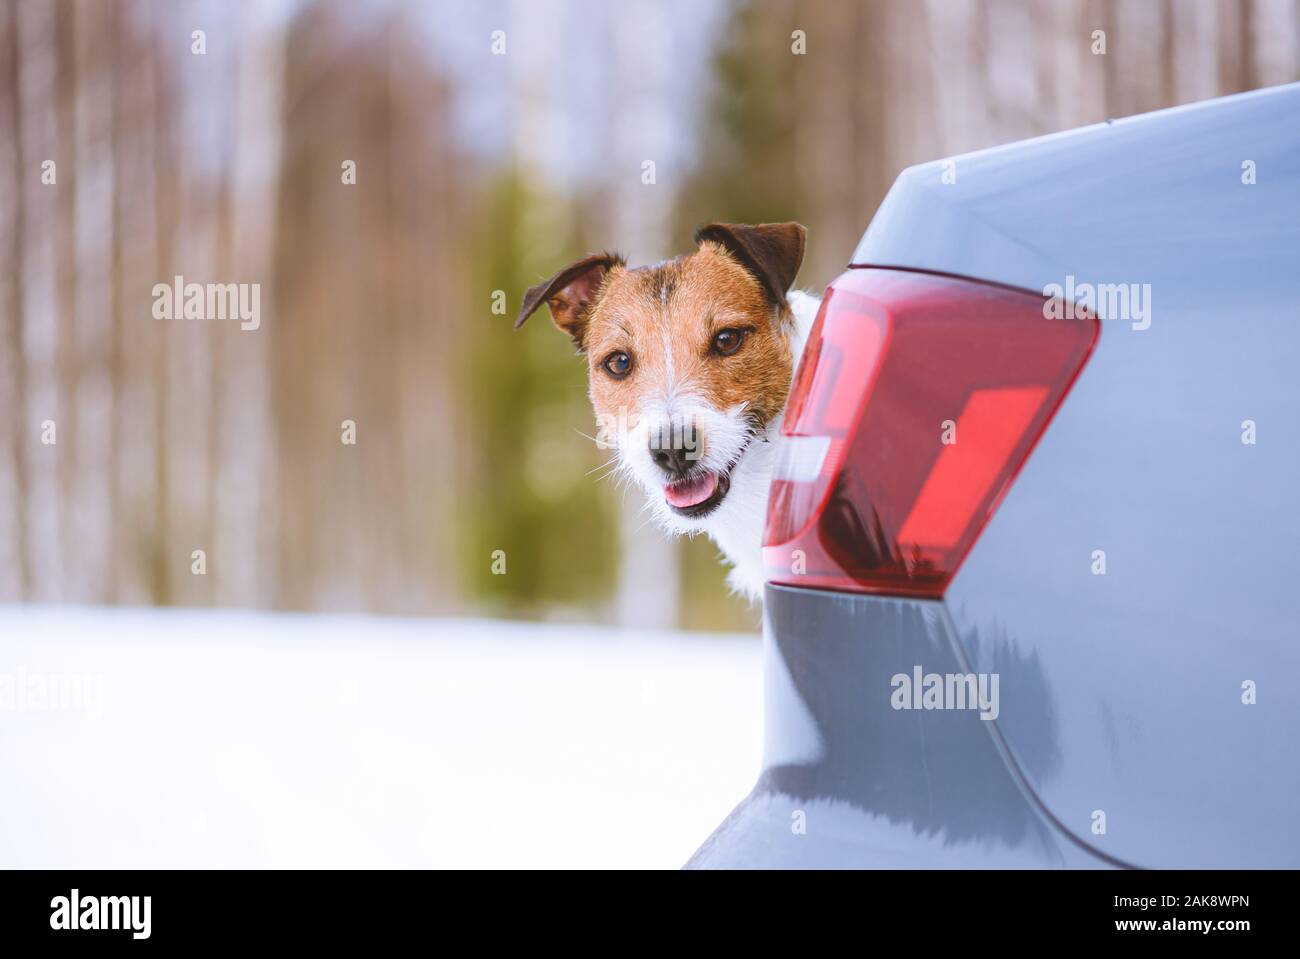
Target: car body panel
[[851, 781], [1147, 199], [1145, 461], [1125, 693]]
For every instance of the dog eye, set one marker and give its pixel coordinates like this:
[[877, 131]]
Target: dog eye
[[618, 364], [727, 342]]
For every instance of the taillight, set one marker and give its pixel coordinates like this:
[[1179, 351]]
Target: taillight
[[918, 399]]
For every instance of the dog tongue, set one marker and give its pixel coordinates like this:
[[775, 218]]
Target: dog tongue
[[691, 492]]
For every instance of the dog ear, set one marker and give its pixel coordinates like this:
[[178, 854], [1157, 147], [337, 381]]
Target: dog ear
[[570, 293], [770, 251]]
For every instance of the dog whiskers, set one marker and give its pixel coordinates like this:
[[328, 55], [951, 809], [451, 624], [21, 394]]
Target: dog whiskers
[[650, 519], [599, 442], [613, 474], [611, 462]]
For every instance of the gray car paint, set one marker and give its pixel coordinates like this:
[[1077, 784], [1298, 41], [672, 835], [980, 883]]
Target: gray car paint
[[850, 781], [1125, 696]]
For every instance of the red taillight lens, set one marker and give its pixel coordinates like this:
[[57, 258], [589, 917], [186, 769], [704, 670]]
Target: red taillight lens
[[917, 400]]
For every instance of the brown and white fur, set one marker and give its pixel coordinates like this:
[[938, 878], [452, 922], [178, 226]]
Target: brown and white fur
[[689, 365]]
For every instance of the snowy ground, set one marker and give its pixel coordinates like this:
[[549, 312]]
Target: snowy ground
[[200, 738]]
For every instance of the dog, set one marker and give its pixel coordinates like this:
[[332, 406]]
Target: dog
[[689, 364]]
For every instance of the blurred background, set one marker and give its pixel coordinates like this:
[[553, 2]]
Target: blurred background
[[394, 175], [484, 161]]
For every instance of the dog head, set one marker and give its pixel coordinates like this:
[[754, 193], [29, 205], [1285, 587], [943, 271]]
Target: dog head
[[689, 361]]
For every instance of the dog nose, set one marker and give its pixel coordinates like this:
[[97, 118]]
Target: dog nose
[[671, 458]]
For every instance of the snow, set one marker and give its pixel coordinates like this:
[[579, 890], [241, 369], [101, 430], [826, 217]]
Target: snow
[[198, 738]]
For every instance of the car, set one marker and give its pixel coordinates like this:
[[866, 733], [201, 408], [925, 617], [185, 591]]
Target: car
[[1032, 550]]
